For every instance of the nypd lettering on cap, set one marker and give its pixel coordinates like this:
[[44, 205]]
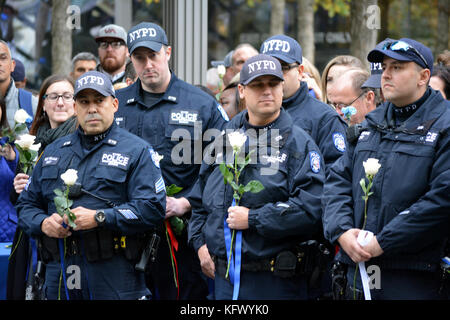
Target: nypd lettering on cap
[[261, 65], [339, 141], [276, 45], [90, 79], [314, 160], [115, 159], [141, 33]]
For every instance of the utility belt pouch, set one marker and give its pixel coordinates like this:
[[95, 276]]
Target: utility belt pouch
[[339, 280], [285, 264], [105, 243], [91, 247], [48, 248], [132, 248]]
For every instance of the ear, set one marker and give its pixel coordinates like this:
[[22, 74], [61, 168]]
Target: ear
[[13, 65], [424, 77], [369, 100], [241, 91], [301, 69], [168, 52], [115, 103]]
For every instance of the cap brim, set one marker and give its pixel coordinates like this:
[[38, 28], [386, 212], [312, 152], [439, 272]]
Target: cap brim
[[152, 45], [378, 56], [217, 63], [261, 75], [101, 91], [282, 57], [374, 81]]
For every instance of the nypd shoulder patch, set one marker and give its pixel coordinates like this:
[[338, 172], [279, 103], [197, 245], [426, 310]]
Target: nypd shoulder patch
[[314, 160], [156, 158], [339, 141]]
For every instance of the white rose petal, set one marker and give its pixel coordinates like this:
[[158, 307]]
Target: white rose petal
[[25, 141], [371, 166], [221, 70], [70, 177], [35, 147], [237, 140], [21, 116]]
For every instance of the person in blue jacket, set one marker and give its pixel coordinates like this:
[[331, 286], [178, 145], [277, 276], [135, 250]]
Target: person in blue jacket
[[121, 198], [173, 116], [318, 119], [273, 221], [408, 211], [8, 162]]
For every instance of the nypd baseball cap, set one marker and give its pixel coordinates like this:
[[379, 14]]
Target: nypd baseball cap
[[404, 49], [112, 31], [148, 35], [282, 47], [376, 69], [260, 65], [19, 71], [97, 81]]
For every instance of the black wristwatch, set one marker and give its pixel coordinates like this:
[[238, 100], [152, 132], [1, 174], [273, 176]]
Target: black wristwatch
[[100, 217]]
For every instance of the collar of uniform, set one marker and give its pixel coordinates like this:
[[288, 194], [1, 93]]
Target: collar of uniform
[[298, 98], [432, 108], [171, 94]]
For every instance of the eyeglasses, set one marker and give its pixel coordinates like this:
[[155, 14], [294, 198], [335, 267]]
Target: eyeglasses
[[53, 97], [339, 106], [403, 46], [287, 67], [114, 44]]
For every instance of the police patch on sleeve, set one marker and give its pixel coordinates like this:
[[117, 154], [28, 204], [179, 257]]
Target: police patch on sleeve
[[156, 158], [223, 112], [159, 185], [339, 141], [314, 160], [128, 214]]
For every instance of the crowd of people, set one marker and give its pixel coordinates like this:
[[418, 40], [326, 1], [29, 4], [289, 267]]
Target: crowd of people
[[263, 184]]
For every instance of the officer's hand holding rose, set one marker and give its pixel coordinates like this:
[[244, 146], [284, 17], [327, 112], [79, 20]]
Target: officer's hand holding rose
[[350, 245], [53, 227], [238, 218], [20, 181], [85, 218]]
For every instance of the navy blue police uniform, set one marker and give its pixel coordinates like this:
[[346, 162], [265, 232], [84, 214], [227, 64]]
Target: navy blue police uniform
[[118, 176], [408, 210], [282, 215], [318, 119], [174, 124]]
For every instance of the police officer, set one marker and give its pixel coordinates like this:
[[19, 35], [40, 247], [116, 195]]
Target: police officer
[[172, 115], [273, 221], [320, 121], [122, 196], [408, 210]]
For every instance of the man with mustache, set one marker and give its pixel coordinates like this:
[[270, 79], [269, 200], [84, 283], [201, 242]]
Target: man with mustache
[[408, 208], [122, 200], [172, 116], [112, 52]]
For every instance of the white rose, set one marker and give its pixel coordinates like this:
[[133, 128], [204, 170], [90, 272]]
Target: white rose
[[221, 70], [70, 177], [371, 166], [21, 116], [25, 141], [237, 140], [35, 147]]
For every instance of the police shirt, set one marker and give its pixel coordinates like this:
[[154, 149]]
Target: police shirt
[[118, 167], [320, 121], [285, 212], [174, 125], [409, 208]]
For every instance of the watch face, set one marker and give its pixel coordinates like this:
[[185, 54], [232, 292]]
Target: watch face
[[100, 216]]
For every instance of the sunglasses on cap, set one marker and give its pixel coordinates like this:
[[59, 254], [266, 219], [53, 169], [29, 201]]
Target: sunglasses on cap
[[403, 46]]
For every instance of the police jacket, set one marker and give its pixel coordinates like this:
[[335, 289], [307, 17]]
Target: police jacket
[[409, 208], [174, 126], [118, 168], [286, 212], [320, 121]]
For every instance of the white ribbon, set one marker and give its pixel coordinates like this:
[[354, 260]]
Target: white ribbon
[[364, 237]]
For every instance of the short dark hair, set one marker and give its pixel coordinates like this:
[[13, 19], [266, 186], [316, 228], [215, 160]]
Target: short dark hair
[[443, 72], [130, 72], [83, 56]]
